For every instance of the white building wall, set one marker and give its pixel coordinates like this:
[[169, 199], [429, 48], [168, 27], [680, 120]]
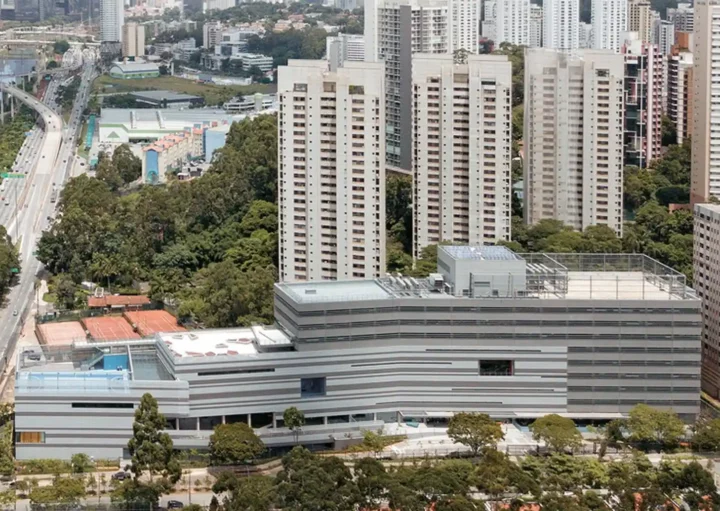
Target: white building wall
[[512, 23], [331, 170], [344, 47], [461, 144], [560, 29], [609, 23], [573, 137], [464, 25], [111, 20], [535, 32]]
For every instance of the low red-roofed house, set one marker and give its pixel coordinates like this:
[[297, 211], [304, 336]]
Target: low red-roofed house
[[117, 301]]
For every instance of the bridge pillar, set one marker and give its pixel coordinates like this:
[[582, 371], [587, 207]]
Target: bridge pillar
[[12, 107]]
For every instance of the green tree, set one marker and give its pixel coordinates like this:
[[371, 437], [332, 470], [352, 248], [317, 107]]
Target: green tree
[[253, 493], [127, 165], [81, 463], [558, 433], [372, 481], [706, 436], [151, 449], [60, 47], [294, 419], [652, 425], [309, 483], [65, 290], [233, 444], [64, 490], [7, 461], [475, 430], [669, 132]]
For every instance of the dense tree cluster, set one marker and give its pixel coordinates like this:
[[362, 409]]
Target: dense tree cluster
[[12, 137], [66, 93], [209, 244], [559, 482], [308, 43]]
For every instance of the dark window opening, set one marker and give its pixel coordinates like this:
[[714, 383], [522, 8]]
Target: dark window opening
[[496, 368], [209, 423], [236, 371], [103, 405], [312, 387], [260, 420]]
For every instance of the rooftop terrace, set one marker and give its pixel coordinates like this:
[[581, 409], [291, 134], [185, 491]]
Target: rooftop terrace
[[546, 276]]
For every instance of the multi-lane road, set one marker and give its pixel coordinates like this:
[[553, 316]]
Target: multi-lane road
[[45, 160]]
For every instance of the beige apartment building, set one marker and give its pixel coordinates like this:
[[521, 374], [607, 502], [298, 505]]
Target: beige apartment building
[[680, 92], [574, 137], [133, 40], [706, 272], [705, 173], [640, 19], [331, 162], [461, 149]]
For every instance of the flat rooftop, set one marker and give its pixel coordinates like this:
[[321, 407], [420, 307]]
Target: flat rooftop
[[223, 342], [162, 95], [168, 120], [545, 276]]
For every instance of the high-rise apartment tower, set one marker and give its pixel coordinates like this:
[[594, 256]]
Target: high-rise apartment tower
[[331, 162], [461, 147], [573, 137]]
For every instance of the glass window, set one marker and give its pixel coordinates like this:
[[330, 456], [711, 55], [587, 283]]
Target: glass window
[[209, 423], [30, 437], [260, 420], [232, 419], [496, 368], [312, 387], [187, 424]]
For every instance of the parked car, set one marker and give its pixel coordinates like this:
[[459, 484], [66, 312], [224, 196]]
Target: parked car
[[33, 355], [120, 476], [175, 504]]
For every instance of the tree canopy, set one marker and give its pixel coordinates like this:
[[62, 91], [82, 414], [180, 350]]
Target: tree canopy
[[558, 433], [475, 430], [234, 444], [209, 245]]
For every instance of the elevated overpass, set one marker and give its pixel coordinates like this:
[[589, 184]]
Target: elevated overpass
[[52, 124]]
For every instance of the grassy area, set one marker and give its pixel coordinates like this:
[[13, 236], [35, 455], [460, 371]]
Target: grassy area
[[213, 94], [49, 298], [81, 151]]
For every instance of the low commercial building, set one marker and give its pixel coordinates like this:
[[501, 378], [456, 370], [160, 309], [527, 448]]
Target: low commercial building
[[122, 125], [167, 99], [134, 71], [166, 156], [516, 336], [254, 103]]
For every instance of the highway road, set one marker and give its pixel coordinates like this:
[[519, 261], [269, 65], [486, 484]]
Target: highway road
[[45, 158]]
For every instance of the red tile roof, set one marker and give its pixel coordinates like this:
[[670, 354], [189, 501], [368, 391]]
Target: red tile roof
[[117, 300]]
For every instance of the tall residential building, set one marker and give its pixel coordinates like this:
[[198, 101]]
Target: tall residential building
[[212, 32], [512, 22], [705, 172], [133, 40], [643, 100], [585, 36], [680, 91], [461, 147], [664, 36], [464, 24], [609, 23], [112, 15], [573, 137], [331, 162], [535, 32], [394, 31], [344, 47], [706, 268], [640, 19], [560, 27], [488, 27], [683, 17]]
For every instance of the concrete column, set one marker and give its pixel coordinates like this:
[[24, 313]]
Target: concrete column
[[325, 420], [197, 423], [2, 107], [223, 419], [249, 422], [12, 107]]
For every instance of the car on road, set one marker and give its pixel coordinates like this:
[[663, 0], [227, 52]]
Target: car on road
[[175, 504], [15, 312], [120, 476]]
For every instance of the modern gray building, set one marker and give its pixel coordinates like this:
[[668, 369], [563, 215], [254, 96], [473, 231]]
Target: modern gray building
[[517, 336]]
